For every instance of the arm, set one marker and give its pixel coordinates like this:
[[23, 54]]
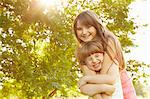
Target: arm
[[109, 78], [91, 77], [101, 96], [105, 96], [86, 72], [86, 89], [96, 96], [98, 79], [92, 89]]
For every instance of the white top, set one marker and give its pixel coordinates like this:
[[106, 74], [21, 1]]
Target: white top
[[118, 94]]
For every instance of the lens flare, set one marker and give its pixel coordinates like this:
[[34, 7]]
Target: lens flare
[[48, 2]]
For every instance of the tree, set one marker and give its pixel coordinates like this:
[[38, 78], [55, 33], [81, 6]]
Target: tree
[[37, 52]]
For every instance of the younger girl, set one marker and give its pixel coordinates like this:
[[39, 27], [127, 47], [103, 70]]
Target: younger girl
[[91, 54]]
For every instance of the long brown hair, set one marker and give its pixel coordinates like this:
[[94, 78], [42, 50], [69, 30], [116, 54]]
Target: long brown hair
[[103, 35]]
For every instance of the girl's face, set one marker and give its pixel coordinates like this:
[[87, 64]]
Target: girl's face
[[94, 61], [85, 32]]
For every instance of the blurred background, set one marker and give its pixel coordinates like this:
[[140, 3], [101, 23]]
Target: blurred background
[[37, 58]]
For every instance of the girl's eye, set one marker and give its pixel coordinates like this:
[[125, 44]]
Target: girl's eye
[[89, 59], [88, 26], [79, 28], [96, 56]]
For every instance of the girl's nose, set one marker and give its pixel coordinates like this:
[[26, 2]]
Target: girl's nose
[[94, 60], [84, 31]]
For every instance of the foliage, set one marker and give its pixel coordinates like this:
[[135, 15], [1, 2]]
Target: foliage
[[139, 73], [37, 52], [32, 51]]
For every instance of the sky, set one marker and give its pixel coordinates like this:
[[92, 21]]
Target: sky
[[139, 10]]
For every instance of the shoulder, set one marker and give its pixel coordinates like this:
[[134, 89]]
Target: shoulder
[[114, 69]]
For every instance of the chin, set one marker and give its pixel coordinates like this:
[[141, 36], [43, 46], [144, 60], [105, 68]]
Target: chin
[[87, 40], [97, 69]]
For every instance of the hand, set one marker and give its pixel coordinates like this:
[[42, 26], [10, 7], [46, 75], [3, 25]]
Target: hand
[[111, 90], [97, 96], [82, 81]]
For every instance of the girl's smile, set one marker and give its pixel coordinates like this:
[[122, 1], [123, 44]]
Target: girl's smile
[[85, 32]]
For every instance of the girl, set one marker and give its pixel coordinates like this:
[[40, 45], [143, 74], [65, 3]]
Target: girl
[[91, 54], [88, 27]]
